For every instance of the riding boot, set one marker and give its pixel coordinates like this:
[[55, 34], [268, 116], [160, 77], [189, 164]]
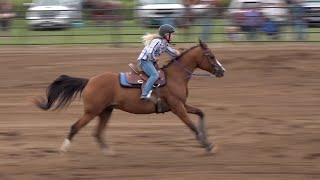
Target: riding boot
[[146, 97]]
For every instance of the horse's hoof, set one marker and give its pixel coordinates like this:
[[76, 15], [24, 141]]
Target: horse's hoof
[[65, 146], [210, 148]]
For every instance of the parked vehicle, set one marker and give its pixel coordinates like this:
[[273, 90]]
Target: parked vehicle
[[47, 14], [154, 12], [312, 12], [157, 12]]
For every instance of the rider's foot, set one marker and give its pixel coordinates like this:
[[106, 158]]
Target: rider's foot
[[144, 97]]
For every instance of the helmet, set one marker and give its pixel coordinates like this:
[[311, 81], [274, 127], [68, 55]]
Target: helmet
[[166, 28]]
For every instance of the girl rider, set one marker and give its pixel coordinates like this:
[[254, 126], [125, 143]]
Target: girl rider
[[155, 45]]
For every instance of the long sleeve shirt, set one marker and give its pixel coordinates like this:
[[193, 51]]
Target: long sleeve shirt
[[155, 49]]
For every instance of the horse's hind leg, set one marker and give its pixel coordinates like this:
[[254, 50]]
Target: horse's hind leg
[[84, 120], [103, 120], [202, 136]]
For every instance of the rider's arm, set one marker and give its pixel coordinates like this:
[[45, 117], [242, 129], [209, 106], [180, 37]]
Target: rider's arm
[[172, 52]]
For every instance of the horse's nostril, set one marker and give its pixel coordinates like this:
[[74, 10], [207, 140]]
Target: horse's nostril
[[220, 74]]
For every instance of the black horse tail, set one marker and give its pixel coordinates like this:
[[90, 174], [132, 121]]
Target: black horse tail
[[61, 92]]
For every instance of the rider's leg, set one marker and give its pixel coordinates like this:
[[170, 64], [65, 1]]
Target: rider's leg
[[150, 70]]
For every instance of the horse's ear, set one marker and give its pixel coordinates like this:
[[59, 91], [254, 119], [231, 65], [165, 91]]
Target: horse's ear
[[202, 44]]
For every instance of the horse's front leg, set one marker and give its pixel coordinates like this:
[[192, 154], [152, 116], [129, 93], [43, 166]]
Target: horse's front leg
[[178, 108], [202, 136]]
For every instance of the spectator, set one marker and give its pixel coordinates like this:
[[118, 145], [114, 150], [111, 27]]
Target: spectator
[[206, 20], [270, 28], [6, 14], [187, 19], [276, 14], [252, 22], [298, 13], [233, 33]]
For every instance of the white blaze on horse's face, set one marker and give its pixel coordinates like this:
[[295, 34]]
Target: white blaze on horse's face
[[218, 68], [220, 65]]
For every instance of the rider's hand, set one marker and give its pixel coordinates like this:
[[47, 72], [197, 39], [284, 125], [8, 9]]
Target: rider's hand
[[178, 53]]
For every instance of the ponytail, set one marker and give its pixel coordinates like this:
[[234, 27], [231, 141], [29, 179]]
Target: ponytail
[[146, 39]]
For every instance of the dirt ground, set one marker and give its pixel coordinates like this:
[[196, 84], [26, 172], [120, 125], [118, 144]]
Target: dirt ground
[[263, 115]]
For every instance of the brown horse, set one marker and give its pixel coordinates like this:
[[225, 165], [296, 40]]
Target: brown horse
[[103, 93]]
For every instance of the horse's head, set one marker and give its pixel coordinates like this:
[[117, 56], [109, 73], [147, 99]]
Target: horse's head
[[208, 62]]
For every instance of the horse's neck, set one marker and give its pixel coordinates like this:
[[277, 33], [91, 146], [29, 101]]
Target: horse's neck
[[182, 69]]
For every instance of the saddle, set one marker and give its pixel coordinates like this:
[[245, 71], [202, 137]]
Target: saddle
[[136, 78]]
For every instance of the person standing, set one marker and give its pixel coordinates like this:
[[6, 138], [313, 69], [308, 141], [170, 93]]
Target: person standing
[[276, 15], [252, 22], [207, 20], [298, 13], [6, 14]]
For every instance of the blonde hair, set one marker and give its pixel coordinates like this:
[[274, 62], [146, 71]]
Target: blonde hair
[[146, 39]]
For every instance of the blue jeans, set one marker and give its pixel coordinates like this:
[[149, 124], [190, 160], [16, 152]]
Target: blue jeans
[[150, 70]]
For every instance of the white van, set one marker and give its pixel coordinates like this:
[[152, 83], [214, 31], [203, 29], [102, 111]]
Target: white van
[[46, 14]]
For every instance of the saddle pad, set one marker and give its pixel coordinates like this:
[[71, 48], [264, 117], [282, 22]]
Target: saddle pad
[[123, 78], [124, 82]]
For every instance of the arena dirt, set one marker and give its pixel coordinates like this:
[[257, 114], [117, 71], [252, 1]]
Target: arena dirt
[[263, 116]]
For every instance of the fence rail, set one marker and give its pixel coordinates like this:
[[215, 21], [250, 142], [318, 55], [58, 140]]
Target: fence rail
[[125, 26]]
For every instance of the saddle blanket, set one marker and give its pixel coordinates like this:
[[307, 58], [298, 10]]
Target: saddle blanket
[[125, 82]]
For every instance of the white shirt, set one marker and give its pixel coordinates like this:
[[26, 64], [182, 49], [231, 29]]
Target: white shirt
[[155, 49]]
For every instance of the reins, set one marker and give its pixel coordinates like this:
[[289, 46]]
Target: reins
[[190, 73]]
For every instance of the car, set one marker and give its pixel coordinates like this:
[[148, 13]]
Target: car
[[156, 12], [312, 12], [49, 14], [152, 13]]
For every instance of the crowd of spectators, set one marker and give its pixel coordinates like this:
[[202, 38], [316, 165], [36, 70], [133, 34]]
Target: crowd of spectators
[[273, 21]]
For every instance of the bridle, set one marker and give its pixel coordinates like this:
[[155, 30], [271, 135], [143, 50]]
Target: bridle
[[212, 60], [216, 66]]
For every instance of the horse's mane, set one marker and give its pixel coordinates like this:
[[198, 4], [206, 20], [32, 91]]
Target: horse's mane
[[178, 57]]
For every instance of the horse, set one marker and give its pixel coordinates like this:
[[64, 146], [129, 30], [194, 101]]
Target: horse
[[103, 93]]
